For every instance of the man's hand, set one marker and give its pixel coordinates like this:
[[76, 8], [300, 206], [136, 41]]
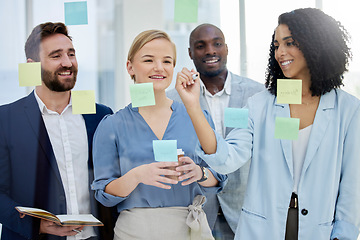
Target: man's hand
[[49, 227]]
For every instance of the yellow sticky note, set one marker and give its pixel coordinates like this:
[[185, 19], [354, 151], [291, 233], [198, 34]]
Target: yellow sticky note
[[83, 102], [289, 91], [29, 74]]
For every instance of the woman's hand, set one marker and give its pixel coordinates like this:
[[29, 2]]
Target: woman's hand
[[154, 174], [190, 171], [187, 87], [150, 174]]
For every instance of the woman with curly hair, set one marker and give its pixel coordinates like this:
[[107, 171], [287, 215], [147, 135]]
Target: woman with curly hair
[[307, 188]]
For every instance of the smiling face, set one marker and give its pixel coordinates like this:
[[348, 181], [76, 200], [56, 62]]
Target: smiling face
[[208, 50], [154, 62], [58, 63], [288, 55]]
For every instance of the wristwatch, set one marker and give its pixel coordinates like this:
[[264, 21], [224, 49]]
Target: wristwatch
[[205, 174]]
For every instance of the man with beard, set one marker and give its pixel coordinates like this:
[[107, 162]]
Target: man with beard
[[220, 89], [45, 150]]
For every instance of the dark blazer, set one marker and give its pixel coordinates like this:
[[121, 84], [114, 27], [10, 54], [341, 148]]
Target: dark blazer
[[29, 175]]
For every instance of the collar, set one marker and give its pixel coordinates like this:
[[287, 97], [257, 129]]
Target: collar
[[173, 106], [327, 101], [42, 107], [226, 89]]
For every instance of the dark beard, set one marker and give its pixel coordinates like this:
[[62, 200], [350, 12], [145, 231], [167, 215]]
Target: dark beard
[[53, 83], [212, 73]]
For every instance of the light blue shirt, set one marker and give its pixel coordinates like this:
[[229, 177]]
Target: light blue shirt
[[124, 141], [329, 185]]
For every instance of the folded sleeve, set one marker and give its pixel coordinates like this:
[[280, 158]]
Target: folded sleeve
[[106, 162], [347, 209], [232, 152]]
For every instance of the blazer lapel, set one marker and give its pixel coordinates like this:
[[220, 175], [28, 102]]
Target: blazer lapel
[[33, 114], [321, 123], [236, 98], [203, 103], [283, 110]]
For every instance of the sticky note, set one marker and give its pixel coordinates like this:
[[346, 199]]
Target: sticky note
[[165, 150], [186, 11], [29, 74], [289, 91], [76, 13], [83, 102], [287, 128], [236, 117], [142, 94]]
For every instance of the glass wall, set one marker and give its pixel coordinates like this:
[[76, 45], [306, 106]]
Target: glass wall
[[102, 44]]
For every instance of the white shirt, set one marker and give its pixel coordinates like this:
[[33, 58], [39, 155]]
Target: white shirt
[[217, 104], [299, 152], [68, 137]]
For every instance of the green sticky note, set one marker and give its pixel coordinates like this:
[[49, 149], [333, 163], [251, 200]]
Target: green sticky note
[[76, 13], [165, 150], [287, 128], [142, 94], [83, 102], [29, 74], [289, 91], [186, 11], [236, 117]]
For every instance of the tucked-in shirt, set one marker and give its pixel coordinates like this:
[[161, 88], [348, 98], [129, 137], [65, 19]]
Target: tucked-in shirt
[[217, 104], [299, 151], [68, 137], [124, 141]]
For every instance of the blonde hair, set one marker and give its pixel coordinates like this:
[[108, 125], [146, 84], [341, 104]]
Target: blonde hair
[[143, 38]]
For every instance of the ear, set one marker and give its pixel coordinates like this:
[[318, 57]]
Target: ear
[[129, 68], [29, 60], [227, 50], [189, 51]]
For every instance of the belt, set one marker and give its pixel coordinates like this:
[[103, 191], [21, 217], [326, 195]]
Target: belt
[[293, 201], [220, 212]]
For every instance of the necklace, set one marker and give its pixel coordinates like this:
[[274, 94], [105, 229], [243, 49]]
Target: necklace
[[316, 100]]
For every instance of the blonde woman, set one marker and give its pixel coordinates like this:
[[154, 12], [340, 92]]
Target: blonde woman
[[151, 205]]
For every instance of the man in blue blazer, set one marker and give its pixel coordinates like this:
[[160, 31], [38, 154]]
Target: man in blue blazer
[[220, 88], [45, 150]]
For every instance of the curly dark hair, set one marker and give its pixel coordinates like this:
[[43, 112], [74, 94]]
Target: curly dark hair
[[324, 44]]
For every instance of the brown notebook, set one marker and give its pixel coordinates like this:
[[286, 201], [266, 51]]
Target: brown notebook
[[64, 220]]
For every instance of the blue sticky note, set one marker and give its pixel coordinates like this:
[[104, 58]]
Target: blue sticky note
[[165, 150], [236, 117], [287, 128], [76, 13], [186, 11]]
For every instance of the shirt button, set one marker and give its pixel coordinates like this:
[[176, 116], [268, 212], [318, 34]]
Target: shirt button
[[304, 212]]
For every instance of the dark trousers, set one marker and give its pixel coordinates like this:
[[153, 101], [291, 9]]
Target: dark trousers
[[292, 224], [222, 230]]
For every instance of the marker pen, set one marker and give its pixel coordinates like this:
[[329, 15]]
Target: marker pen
[[194, 76]]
